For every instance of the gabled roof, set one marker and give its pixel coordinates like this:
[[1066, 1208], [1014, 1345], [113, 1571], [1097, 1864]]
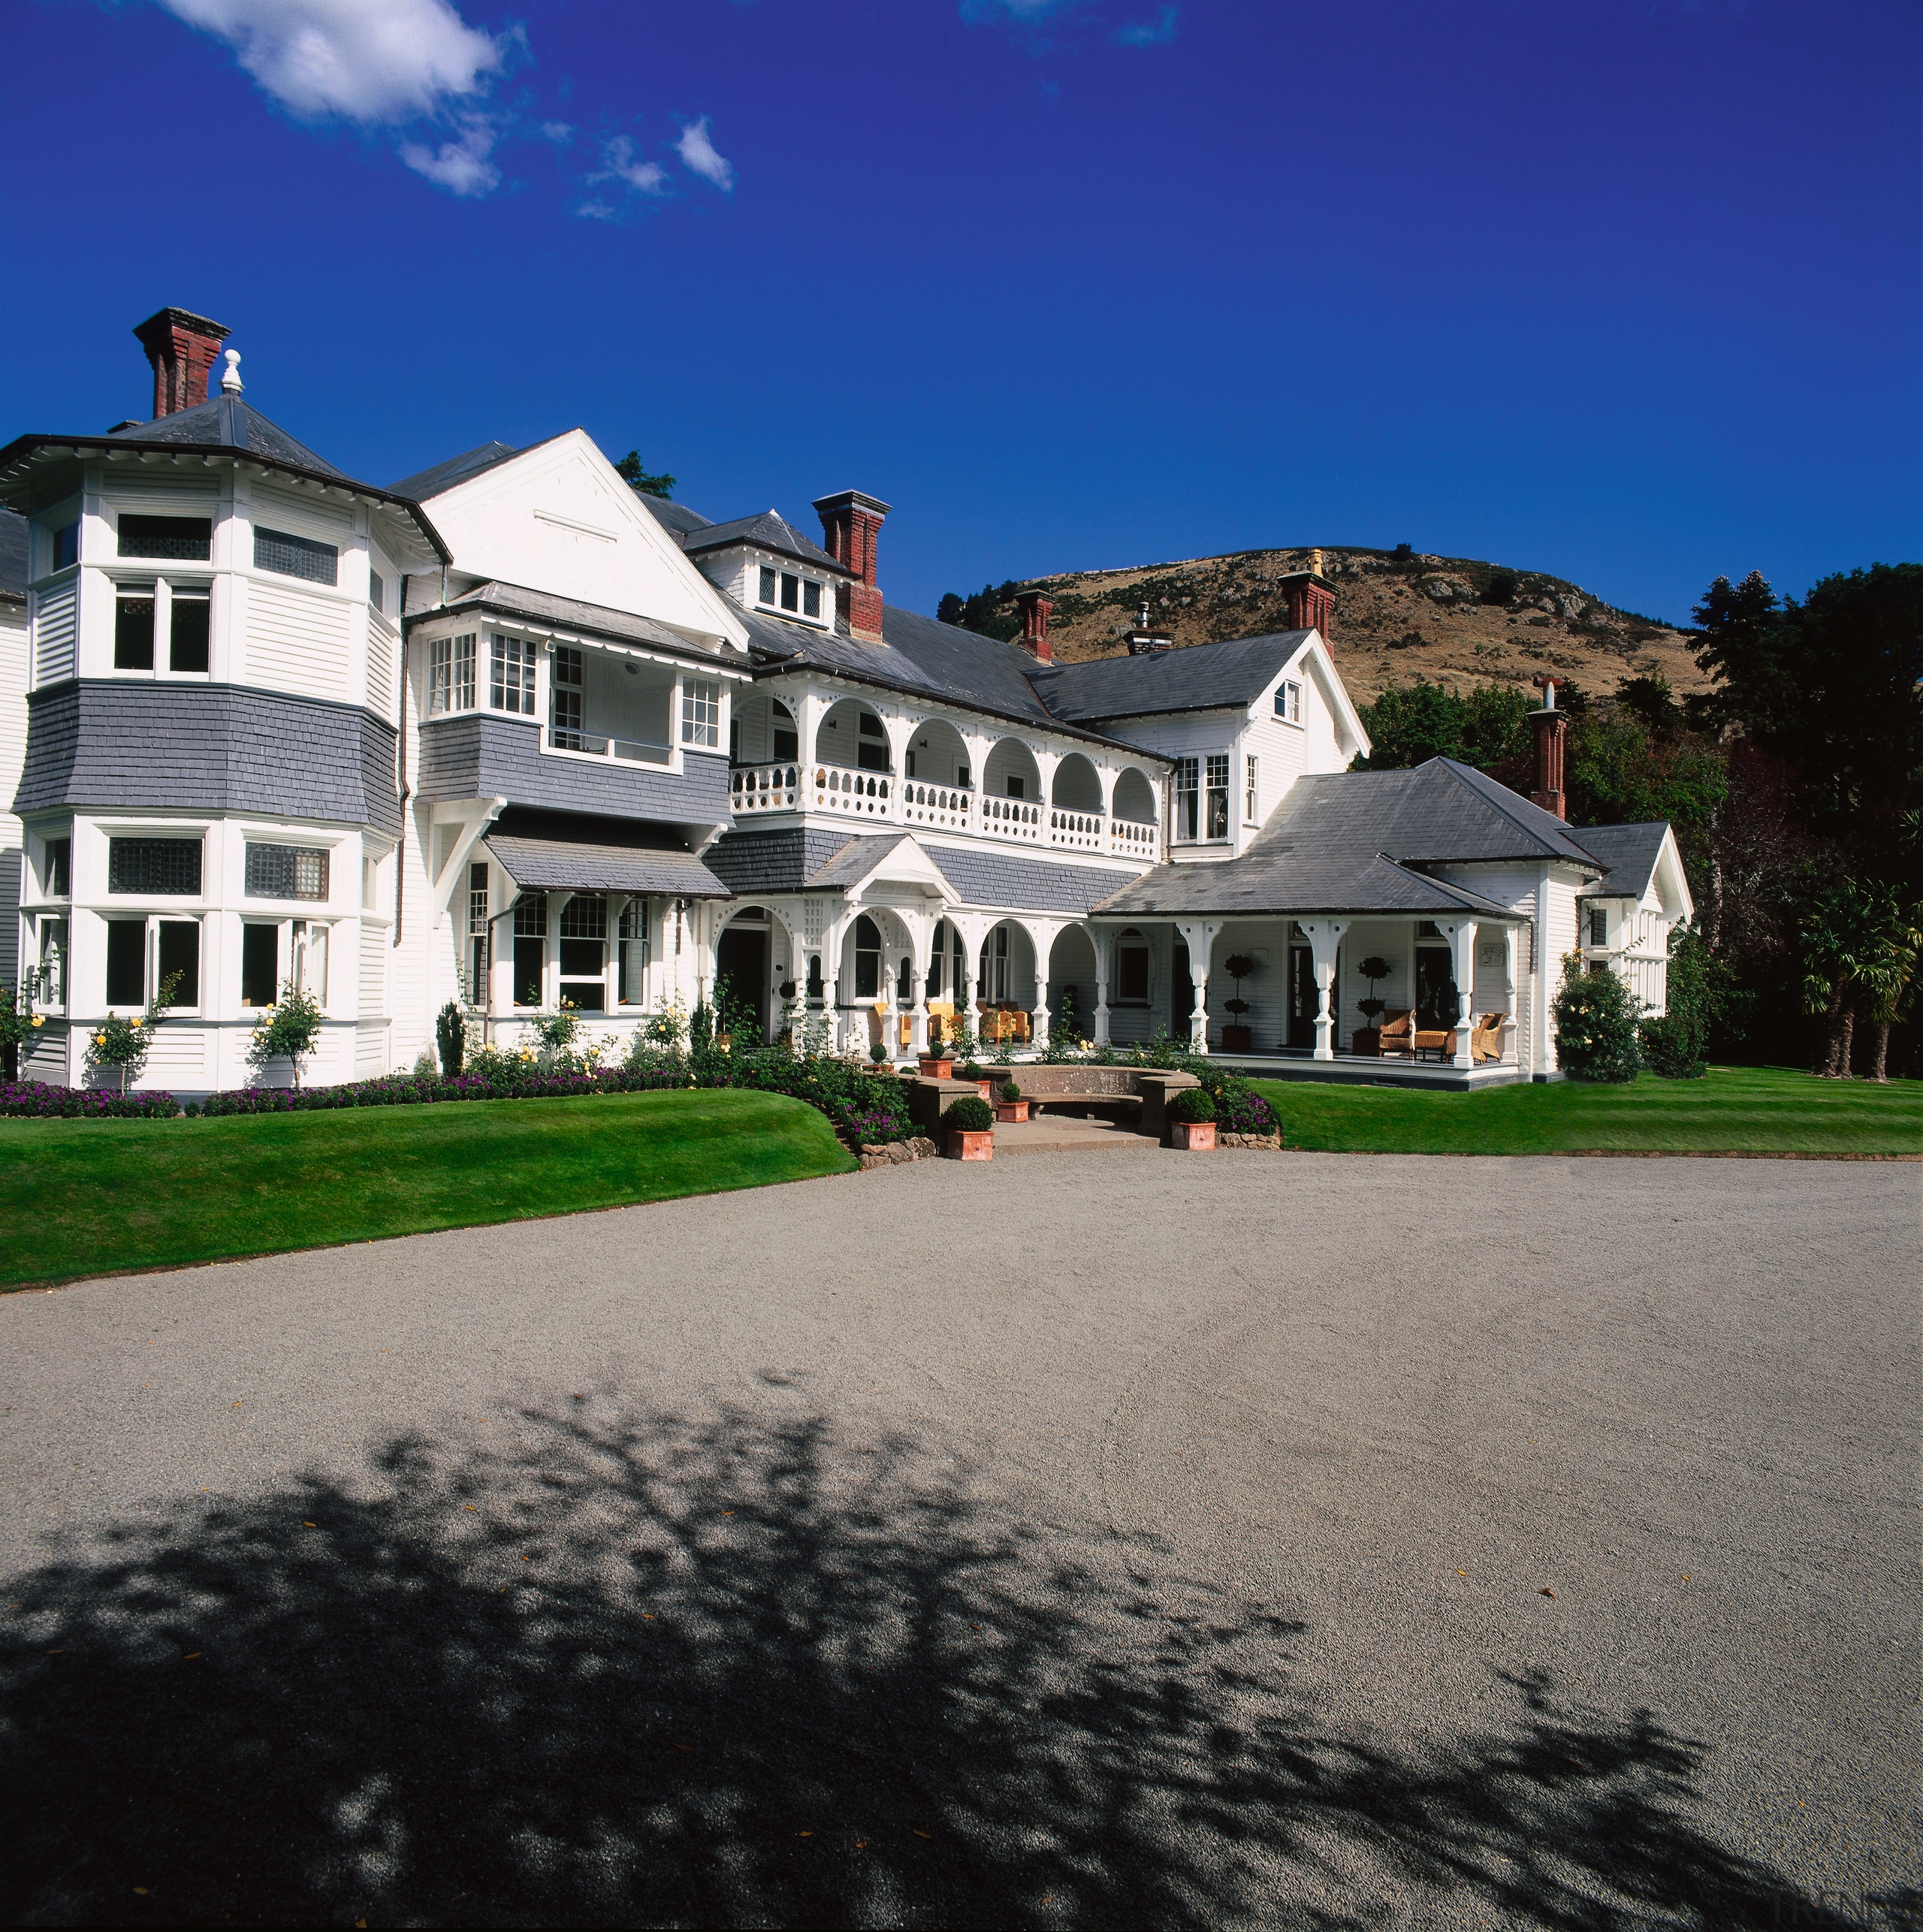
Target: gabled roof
[[1359, 842], [770, 531], [542, 608], [426, 483], [1200, 678], [862, 858], [1628, 853], [227, 422], [676, 516]]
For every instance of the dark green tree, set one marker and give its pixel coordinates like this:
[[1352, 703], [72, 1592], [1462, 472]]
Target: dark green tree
[[1489, 728], [629, 471]]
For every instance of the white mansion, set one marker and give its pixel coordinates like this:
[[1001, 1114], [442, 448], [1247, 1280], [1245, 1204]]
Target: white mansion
[[506, 732]]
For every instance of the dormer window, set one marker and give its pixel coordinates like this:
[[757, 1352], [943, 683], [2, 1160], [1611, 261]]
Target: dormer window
[[783, 590], [1288, 702]]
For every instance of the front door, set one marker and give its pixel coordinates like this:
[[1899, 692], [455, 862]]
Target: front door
[[1302, 1002], [741, 961], [1435, 990]]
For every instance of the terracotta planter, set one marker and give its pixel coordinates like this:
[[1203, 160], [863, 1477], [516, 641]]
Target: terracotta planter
[[986, 1089], [969, 1145], [937, 1069], [1238, 1039], [1194, 1137], [1016, 1110]]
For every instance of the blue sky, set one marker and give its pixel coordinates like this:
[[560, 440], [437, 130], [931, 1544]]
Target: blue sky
[[1628, 292]]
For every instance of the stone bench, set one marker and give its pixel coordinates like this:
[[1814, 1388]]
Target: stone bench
[[1139, 1094]]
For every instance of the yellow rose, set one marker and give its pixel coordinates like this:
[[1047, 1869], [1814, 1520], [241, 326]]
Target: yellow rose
[[40, 1019], [100, 1039], [137, 1020]]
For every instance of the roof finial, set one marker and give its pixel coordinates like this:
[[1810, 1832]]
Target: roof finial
[[230, 383], [1142, 616]]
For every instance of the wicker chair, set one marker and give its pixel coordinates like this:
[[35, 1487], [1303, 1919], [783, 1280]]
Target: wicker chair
[[1395, 1038], [1486, 1037]]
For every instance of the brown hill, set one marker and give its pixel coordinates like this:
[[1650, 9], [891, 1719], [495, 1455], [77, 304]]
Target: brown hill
[[1399, 617]]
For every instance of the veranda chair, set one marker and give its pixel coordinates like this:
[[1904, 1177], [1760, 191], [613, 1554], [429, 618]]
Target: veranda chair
[[1486, 1037], [1398, 1033]]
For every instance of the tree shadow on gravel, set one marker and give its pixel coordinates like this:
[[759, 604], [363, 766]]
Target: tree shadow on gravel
[[636, 1668]]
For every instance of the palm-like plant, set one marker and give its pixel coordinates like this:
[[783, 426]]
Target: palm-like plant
[[1861, 941]]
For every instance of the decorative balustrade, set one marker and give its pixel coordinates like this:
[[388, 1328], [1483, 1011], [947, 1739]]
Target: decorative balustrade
[[1080, 829], [1131, 838], [937, 804], [843, 788], [1011, 818], [764, 788]]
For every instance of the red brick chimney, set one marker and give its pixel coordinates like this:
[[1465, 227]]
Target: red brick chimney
[[1552, 731], [850, 524], [183, 349], [1035, 608], [1311, 598]]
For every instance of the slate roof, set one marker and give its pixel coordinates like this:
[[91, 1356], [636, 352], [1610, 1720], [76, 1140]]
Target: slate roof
[[540, 607], [770, 531], [757, 860], [676, 516], [1200, 678], [547, 865], [1628, 852], [430, 482], [857, 859], [13, 556], [227, 422], [1355, 842], [987, 877]]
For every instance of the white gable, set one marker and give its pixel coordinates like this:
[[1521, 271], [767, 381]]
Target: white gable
[[557, 518]]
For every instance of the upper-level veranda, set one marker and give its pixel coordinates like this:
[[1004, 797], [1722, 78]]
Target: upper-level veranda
[[813, 750]]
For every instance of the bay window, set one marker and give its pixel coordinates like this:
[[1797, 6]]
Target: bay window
[[701, 713], [1187, 799], [1218, 794], [565, 699], [450, 674], [530, 948], [510, 674], [631, 979], [584, 937]]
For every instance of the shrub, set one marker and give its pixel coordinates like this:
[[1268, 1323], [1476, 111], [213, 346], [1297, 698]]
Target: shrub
[[451, 1037], [1192, 1104], [1595, 1016], [35, 1100], [1239, 1109], [1010, 1091], [288, 1031], [969, 1114], [124, 1044], [878, 1053], [1669, 1046]]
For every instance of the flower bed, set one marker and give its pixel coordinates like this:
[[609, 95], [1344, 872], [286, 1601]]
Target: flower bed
[[406, 1091], [35, 1100]]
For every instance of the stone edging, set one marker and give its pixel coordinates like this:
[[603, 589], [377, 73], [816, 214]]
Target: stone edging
[[896, 1153]]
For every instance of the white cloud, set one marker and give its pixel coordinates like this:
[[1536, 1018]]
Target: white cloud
[[597, 211], [559, 132], [461, 165], [698, 155], [1158, 32], [618, 164], [369, 60]]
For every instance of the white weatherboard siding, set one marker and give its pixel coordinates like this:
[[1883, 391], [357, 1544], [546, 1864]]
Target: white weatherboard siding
[[56, 631], [298, 642], [12, 752], [1281, 753]]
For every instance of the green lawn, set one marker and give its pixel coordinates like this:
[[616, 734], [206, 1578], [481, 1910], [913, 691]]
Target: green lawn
[[86, 1197], [1735, 1109]]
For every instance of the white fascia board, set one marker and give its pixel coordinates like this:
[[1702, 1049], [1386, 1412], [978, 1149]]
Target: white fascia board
[[1669, 868], [1350, 734]]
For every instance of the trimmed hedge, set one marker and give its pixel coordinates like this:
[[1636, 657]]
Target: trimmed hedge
[[970, 1114], [1192, 1105]]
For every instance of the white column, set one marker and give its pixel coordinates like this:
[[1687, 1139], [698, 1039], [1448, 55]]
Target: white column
[[1325, 938], [1199, 935], [1461, 936], [1510, 1026], [1099, 937]]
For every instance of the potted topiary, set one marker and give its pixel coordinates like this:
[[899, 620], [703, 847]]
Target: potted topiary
[[1239, 1037], [1192, 1120], [969, 1123], [937, 1065], [1009, 1104], [1369, 1040], [878, 1054], [974, 1070]]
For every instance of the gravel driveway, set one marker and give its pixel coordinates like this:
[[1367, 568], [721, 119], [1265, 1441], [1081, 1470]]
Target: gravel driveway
[[1176, 1540]]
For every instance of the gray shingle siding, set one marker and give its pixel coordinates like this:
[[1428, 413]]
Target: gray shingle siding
[[109, 744], [757, 861], [1001, 879], [480, 756]]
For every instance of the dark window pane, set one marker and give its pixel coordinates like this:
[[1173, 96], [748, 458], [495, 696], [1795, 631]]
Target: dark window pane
[[791, 592], [126, 962], [871, 757], [133, 634], [871, 726], [581, 959], [170, 866], [529, 956], [589, 995], [187, 634], [66, 546], [180, 953], [767, 585], [810, 599], [295, 556], [1132, 974], [181, 540], [786, 743], [59, 868], [286, 872], [260, 957]]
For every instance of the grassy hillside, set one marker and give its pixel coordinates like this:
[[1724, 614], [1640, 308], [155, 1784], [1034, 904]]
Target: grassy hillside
[[1399, 617]]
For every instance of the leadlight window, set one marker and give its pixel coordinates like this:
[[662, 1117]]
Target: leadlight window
[[286, 872], [565, 700], [288, 555], [811, 597], [767, 586], [510, 674], [133, 628], [450, 674], [179, 539], [1218, 794], [1188, 798], [1599, 926], [701, 713], [163, 867]]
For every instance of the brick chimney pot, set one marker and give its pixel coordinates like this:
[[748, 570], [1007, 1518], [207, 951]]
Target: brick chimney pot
[[1035, 608], [183, 348], [851, 523]]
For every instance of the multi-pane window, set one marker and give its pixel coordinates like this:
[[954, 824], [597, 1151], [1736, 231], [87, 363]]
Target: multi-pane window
[[180, 539], [479, 956], [133, 627], [800, 595], [1218, 794], [811, 597], [290, 556], [631, 987], [584, 936], [1288, 702], [565, 699], [164, 867], [767, 586], [286, 872], [510, 674], [531, 948], [66, 546], [1599, 926], [1188, 798], [450, 674], [701, 713], [1252, 795]]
